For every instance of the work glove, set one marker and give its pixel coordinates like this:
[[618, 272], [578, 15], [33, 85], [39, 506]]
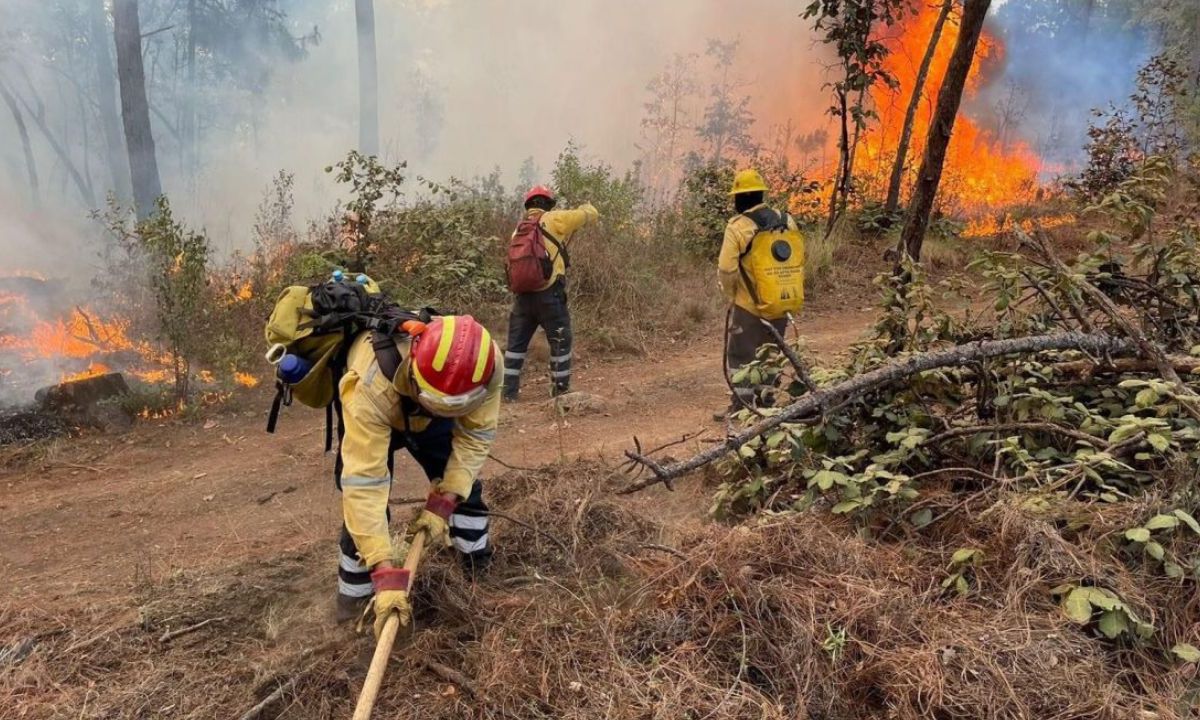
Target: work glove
[[391, 596], [434, 518]]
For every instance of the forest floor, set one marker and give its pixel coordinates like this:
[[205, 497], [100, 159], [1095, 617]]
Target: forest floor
[[109, 541]]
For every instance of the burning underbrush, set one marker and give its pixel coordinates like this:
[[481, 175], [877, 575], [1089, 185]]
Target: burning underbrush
[[52, 350], [590, 613]]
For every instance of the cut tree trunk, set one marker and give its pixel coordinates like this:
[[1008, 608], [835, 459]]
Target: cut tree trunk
[[135, 110], [106, 94], [942, 127], [910, 114], [368, 78], [26, 147], [812, 404]]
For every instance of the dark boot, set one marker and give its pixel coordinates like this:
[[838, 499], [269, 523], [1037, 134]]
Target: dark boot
[[511, 394], [476, 565], [350, 609]]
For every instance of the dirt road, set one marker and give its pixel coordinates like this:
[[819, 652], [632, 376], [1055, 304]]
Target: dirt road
[[106, 514]]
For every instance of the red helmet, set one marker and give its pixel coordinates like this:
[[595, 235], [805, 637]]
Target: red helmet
[[539, 191], [453, 361]]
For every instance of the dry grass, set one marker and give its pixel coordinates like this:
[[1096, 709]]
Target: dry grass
[[587, 616]]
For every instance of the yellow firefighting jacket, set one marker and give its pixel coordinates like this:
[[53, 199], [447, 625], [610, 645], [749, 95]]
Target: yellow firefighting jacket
[[371, 410], [562, 224], [739, 231]]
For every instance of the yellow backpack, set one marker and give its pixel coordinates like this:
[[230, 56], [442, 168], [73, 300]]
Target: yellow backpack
[[309, 335], [772, 265]]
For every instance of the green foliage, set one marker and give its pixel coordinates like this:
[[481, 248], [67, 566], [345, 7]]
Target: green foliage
[[445, 249], [962, 570], [1037, 434], [157, 270], [371, 183], [615, 195]]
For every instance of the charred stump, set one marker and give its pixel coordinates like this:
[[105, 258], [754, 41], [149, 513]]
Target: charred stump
[[82, 402]]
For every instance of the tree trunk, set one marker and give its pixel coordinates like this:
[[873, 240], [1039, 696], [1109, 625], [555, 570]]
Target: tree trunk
[[70, 172], [106, 94], [910, 115], [188, 124], [26, 147], [942, 127], [843, 161], [135, 110], [368, 78]]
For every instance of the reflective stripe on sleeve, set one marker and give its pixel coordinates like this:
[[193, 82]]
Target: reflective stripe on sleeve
[[486, 435]]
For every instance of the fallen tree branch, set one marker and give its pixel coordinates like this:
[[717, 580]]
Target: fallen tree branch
[[450, 675], [505, 465], [891, 372], [497, 514], [266, 702], [1182, 363], [665, 549], [172, 634], [1147, 347], [1048, 427]]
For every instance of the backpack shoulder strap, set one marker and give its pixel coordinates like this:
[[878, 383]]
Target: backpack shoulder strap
[[387, 354], [766, 218], [562, 249]]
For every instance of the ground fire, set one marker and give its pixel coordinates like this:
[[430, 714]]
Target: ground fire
[[41, 345]]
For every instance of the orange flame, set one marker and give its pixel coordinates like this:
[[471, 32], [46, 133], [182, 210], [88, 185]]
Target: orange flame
[[982, 170], [93, 370], [990, 226], [245, 379]]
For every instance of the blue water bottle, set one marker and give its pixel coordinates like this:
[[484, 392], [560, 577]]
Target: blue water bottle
[[338, 275], [362, 279], [293, 368]]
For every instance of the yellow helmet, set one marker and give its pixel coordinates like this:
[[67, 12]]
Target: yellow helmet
[[748, 180]]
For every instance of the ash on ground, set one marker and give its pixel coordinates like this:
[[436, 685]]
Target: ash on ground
[[23, 425]]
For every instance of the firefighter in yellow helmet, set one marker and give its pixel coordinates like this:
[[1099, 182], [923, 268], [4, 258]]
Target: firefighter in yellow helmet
[[435, 393], [761, 273]]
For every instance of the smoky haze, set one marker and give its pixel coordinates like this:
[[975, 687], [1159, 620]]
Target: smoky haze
[[464, 87]]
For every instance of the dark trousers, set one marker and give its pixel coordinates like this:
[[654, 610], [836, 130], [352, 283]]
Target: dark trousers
[[468, 524], [546, 309], [746, 335]]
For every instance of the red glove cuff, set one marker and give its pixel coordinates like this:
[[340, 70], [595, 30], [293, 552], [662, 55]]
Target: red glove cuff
[[390, 579], [441, 504]]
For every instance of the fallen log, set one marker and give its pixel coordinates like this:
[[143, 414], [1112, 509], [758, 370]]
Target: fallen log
[[891, 372]]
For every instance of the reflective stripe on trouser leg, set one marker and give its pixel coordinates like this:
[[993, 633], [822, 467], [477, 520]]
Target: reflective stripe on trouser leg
[[354, 578], [558, 333], [469, 525]]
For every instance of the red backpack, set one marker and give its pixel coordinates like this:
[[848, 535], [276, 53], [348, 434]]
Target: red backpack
[[529, 266]]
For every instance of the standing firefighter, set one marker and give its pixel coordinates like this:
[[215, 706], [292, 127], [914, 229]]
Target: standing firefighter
[[761, 272], [537, 265], [396, 379]]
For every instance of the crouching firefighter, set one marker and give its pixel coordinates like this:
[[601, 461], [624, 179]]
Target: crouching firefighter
[[536, 267], [761, 272], [395, 380]]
